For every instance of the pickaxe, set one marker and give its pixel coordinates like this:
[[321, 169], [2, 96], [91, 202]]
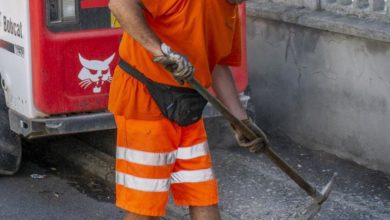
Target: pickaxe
[[318, 197]]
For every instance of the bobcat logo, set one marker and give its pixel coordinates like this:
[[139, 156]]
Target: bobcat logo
[[95, 73]]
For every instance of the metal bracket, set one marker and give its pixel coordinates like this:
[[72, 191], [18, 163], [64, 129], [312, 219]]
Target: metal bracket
[[59, 125]]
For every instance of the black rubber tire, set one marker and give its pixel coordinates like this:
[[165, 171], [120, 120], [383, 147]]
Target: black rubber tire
[[10, 143]]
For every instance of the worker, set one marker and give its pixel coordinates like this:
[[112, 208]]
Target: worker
[[165, 43]]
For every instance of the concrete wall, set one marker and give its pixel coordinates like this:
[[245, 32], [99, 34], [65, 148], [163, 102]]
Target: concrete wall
[[313, 4], [325, 90]]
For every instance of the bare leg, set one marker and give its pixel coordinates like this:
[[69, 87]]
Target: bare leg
[[132, 216], [205, 213]]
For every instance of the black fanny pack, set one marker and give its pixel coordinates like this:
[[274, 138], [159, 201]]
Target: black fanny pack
[[181, 105]]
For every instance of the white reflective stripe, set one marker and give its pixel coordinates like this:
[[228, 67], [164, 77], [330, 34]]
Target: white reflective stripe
[[186, 153], [142, 184], [146, 158], [193, 176]]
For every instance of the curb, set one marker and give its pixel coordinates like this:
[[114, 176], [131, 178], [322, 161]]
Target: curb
[[87, 159]]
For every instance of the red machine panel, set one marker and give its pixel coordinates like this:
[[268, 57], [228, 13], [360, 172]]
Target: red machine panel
[[72, 70]]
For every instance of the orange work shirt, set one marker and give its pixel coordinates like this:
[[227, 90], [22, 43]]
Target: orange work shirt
[[207, 32]]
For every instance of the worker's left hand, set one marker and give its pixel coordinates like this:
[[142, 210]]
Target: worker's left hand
[[236, 1], [181, 69], [256, 145]]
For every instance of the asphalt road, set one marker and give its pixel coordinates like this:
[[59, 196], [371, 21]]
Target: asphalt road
[[251, 187], [54, 198]]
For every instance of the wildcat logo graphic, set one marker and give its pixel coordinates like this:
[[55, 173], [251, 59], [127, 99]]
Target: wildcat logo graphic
[[95, 73]]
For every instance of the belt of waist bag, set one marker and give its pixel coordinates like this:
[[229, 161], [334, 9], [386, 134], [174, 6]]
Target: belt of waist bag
[[133, 71], [129, 69]]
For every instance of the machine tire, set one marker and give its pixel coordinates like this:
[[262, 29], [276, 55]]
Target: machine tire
[[10, 143]]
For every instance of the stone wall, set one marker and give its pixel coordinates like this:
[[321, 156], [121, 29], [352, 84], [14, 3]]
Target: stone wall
[[322, 79]]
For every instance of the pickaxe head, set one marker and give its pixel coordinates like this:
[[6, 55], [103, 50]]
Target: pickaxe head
[[310, 211]]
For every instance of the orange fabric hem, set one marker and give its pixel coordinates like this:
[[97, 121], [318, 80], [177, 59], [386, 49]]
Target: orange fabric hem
[[141, 202], [195, 194], [141, 211], [211, 202]]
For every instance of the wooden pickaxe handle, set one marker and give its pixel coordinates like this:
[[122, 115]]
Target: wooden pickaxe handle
[[250, 135]]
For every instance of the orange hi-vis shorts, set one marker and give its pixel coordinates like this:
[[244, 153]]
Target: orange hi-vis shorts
[[158, 156], [155, 155]]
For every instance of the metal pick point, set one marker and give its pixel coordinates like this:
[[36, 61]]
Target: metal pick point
[[310, 211]]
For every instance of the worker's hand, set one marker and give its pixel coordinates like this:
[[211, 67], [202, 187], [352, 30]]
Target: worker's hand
[[253, 146], [181, 69], [236, 1]]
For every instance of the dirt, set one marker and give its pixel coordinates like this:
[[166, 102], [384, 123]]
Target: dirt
[[36, 152]]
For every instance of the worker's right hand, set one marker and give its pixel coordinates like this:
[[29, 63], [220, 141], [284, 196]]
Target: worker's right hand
[[256, 145], [177, 64]]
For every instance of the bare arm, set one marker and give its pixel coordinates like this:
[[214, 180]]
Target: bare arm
[[225, 88], [131, 17]]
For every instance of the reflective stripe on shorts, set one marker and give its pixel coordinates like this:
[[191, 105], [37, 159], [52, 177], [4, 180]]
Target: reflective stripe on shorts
[[193, 176], [142, 184], [157, 156], [145, 158], [161, 159], [198, 150]]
